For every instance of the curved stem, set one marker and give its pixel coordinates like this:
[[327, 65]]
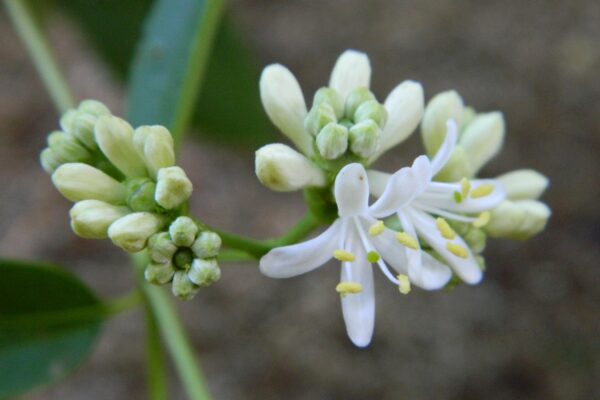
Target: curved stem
[[157, 372], [39, 51]]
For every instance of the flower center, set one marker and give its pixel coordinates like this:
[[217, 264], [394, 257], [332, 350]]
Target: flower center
[[183, 257]]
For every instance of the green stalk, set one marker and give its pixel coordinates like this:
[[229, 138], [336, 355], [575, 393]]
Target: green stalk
[[157, 372], [39, 51]]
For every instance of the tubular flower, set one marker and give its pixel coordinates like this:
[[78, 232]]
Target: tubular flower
[[358, 240]]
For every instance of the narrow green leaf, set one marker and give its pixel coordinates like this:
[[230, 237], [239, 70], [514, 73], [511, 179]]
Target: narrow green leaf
[[43, 332]]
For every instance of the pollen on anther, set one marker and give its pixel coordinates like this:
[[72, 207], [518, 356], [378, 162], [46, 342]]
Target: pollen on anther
[[457, 250], [343, 255], [445, 230], [482, 191], [407, 240], [377, 228], [345, 288], [465, 187], [482, 220], [403, 284]]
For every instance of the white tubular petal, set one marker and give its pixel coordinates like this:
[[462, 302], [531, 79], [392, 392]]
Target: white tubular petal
[[281, 168], [468, 204], [352, 70], [402, 187], [283, 101], [78, 181], [377, 181], [405, 108], [392, 252], [433, 275], [359, 308], [413, 255], [351, 190], [442, 156], [288, 261], [466, 268], [482, 139], [441, 108], [519, 219], [115, 138], [523, 184]]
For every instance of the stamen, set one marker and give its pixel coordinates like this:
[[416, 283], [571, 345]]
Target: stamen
[[407, 240], [345, 288], [343, 255], [482, 190], [458, 198], [403, 284], [457, 250], [373, 257], [465, 187], [482, 220], [445, 230], [377, 228]]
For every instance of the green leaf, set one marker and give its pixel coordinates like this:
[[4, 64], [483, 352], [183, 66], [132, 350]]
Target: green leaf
[[42, 333], [170, 61]]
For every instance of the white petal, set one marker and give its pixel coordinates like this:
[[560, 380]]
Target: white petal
[[468, 204], [405, 108], [445, 151], [392, 252], [288, 261], [433, 274], [352, 190], [521, 184], [482, 139], [377, 182], [283, 101], [352, 70], [359, 309]]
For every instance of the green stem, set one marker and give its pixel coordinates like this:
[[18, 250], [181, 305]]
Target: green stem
[[157, 372], [39, 51], [234, 256]]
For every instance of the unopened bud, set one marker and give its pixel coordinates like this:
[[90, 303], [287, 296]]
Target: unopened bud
[[519, 219], [441, 108], [331, 97], [482, 139], [90, 219], [204, 272], [132, 231], [78, 181], [371, 110], [140, 194], [183, 287], [355, 98], [115, 138], [66, 147], [83, 129], [523, 184], [155, 145], [93, 107], [161, 248], [173, 187], [67, 120], [183, 231], [332, 141], [207, 245], [456, 168], [318, 117], [159, 273], [49, 160], [364, 138]]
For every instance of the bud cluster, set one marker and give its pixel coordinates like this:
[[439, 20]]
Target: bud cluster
[[185, 256]]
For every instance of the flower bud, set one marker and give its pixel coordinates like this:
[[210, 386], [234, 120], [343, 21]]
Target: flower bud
[[93, 107], [161, 248], [183, 287], [173, 187], [331, 97], [456, 168], [355, 98], [319, 116], [371, 110], [78, 181], [183, 231], [482, 139], [115, 138], [207, 245], [523, 184], [204, 272], [66, 147], [441, 108], [140, 194], [82, 128], [281, 168], [155, 145], [49, 160], [67, 120], [518, 220], [364, 138], [158, 273], [332, 141], [132, 231], [90, 219]]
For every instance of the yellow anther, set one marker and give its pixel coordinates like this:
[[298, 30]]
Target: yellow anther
[[377, 228], [457, 250], [373, 257], [407, 240], [482, 190], [465, 187], [445, 230], [403, 284], [343, 255], [345, 288], [482, 220]]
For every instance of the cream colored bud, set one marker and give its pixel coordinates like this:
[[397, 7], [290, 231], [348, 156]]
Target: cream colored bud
[[67, 120], [482, 139], [331, 97], [90, 219], [183, 287], [49, 160], [183, 231], [132, 231], [155, 145], [355, 98], [115, 138], [523, 184], [456, 168], [204, 272], [441, 108], [159, 274], [93, 107], [364, 138], [318, 117], [371, 110], [332, 141], [66, 147], [161, 248], [78, 181], [140, 194], [207, 245], [281, 168], [518, 220], [173, 188], [83, 129]]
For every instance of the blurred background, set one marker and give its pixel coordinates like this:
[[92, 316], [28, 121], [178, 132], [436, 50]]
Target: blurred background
[[530, 330]]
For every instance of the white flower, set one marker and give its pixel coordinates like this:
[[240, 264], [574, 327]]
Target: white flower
[[415, 198], [358, 240]]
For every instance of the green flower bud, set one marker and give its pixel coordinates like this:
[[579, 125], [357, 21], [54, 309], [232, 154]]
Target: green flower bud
[[78, 181], [204, 272], [93, 107], [90, 219], [355, 99], [332, 141], [49, 160], [183, 231], [155, 145], [82, 128], [159, 274], [523, 184], [67, 120], [475, 237], [456, 168], [132, 231], [319, 116], [115, 138], [173, 187], [161, 248], [441, 108], [518, 220], [140, 194], [331, 97], [183, 258], [67, 147], [371, 110], [482, 139], [207, 245], [183, 287], [364, 138]]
